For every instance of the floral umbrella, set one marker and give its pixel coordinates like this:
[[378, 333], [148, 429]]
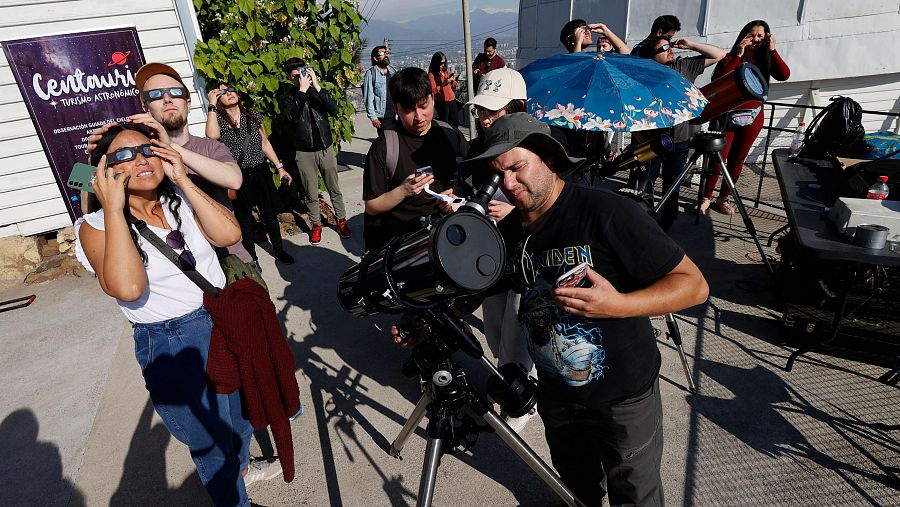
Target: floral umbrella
[[609, 92]]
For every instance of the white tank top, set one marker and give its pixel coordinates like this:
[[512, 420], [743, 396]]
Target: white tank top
[[170, 293]]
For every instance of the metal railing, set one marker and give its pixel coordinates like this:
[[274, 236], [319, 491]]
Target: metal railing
[[768, 145]]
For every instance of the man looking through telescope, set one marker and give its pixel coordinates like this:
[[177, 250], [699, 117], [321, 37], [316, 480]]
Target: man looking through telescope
[[594, 346]]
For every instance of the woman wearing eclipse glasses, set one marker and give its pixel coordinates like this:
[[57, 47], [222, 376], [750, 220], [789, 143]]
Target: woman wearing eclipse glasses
[[241, 130], [140, 181]]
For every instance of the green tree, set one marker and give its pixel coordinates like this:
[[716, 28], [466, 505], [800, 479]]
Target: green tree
[[245, 43]]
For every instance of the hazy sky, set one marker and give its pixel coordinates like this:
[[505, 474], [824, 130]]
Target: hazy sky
[[405, 10]]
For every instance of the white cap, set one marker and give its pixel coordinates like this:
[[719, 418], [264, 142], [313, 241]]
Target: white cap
[[498, 87]]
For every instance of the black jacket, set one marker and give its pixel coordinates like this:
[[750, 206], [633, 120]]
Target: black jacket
[[307, 114]]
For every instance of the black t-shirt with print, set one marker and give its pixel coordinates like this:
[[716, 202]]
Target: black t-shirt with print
[[433, 149], [594, 362]]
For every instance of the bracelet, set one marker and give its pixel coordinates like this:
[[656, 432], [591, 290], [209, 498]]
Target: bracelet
[[279, 165], [211, 109]]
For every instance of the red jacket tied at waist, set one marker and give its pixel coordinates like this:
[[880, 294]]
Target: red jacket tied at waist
[[248, 351]]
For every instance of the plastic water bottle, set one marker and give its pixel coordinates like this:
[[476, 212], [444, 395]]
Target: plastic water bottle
[[797, 141], [879, 190]]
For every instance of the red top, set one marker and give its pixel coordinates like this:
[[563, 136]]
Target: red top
[[485, 64], [777, 69], [443, 91]]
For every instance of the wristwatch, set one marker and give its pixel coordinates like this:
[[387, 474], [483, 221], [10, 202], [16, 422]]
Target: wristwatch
[[211, 109], [279, 165]]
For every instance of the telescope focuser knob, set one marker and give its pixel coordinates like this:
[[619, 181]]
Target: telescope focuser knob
[[442, 378]]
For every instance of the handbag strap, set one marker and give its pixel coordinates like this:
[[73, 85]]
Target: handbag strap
[[240, 160], [170, 254]]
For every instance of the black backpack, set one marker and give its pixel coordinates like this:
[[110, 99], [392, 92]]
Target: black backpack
[[834, 129]]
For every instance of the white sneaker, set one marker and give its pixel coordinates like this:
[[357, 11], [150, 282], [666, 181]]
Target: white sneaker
[[518, 423], [261, 470]]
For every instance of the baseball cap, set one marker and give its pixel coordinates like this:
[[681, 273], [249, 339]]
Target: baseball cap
[[151, 69], [498, 87], [516, 129]]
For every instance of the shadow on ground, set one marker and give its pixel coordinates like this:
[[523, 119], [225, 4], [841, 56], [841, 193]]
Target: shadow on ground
[[367, 356], [755, 432], [37, 467]]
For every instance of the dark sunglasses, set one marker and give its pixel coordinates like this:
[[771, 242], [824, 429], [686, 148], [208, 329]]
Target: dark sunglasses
[[223, 91], [479, 111], [129, 153], [186, 260], [663, 49], [176, 92]]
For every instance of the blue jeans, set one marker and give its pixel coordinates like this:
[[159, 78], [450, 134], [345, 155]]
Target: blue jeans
[[172, 355]]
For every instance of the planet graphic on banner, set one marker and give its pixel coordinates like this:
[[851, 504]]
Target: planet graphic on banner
[[118, 58]]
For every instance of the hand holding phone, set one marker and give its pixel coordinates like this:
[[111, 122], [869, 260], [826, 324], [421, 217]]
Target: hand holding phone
[[80, 177], [575, 277]]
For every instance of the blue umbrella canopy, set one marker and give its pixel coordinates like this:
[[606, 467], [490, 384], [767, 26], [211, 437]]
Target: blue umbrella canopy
[[609, 92]]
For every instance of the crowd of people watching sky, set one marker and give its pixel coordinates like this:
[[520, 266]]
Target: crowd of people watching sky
[[592, 348]]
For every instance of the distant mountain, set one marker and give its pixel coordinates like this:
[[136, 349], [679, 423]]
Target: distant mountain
[[441, 31]]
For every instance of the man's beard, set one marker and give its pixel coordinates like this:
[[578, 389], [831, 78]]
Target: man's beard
[[383, 63], [173, 121]]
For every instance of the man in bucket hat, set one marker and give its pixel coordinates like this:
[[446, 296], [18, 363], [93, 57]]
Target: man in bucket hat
[[590, 337]]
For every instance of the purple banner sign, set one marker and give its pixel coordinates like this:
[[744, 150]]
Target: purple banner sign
[[73, 83]]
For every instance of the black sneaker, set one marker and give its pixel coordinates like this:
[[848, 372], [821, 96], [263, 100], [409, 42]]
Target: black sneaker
[[285, 258]]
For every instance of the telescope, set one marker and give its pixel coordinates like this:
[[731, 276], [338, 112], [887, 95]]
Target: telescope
[[637, 155], [732, 91], [459, 255]]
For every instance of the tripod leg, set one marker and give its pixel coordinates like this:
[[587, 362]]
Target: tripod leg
[[411, 424], [526, 454], [743, 210], [675, 184], [429, 470], [701, 190], [675, 335]]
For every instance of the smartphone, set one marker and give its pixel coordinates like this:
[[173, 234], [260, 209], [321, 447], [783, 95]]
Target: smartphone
[[302, 71], [424, 170], [575, 277], [80, 177]]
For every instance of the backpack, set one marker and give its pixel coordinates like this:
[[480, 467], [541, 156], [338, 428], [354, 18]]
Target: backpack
[[372, 234], [834, 129]]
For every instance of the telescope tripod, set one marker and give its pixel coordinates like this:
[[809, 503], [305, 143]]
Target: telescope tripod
[[446, 393], [707, 145], [638, 181]]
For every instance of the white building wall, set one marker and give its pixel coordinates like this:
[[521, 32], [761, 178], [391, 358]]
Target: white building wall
[[29, 198]]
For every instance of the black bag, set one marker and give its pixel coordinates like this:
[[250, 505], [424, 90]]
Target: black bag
[[834, 129]]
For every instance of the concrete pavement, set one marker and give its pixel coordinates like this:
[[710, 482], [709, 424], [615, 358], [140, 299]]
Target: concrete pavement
[[76, 427]]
